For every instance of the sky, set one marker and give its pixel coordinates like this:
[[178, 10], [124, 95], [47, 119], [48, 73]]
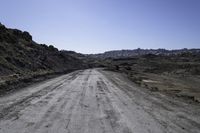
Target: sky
[[95, 26]]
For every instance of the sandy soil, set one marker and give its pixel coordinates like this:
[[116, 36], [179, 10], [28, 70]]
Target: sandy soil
[[95, 101]]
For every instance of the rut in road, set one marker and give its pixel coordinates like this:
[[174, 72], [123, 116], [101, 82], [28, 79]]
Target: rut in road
[[94, 101]]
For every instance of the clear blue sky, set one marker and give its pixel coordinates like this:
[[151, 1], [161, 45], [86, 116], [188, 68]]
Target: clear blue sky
[[93, 26]]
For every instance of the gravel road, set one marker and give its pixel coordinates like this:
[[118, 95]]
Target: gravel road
[[95, 101]]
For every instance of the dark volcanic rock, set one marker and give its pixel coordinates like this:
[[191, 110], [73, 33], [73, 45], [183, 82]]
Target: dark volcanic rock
[[2, 27], [26, 36]]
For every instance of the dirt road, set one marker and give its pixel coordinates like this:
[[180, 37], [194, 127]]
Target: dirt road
[[94, 101]]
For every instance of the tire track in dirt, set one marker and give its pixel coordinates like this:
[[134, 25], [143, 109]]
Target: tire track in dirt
[[111, 113], [55, 112], [95, 101], [42, 97]]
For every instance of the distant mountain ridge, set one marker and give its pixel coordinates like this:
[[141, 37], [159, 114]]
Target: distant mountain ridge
[[137, 52]]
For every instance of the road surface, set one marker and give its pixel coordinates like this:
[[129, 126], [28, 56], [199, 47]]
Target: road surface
[[94, 101]]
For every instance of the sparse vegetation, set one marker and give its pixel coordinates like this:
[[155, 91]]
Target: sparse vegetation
[[176, 75]]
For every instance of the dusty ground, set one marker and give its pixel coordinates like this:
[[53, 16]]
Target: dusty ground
[[186, 87], [95, 101]]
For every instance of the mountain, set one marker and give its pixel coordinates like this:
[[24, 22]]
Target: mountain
[[137, 52], [22, 58]]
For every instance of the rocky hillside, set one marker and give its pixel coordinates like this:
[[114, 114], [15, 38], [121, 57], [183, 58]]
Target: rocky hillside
[[138, 52], [22, 58]]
